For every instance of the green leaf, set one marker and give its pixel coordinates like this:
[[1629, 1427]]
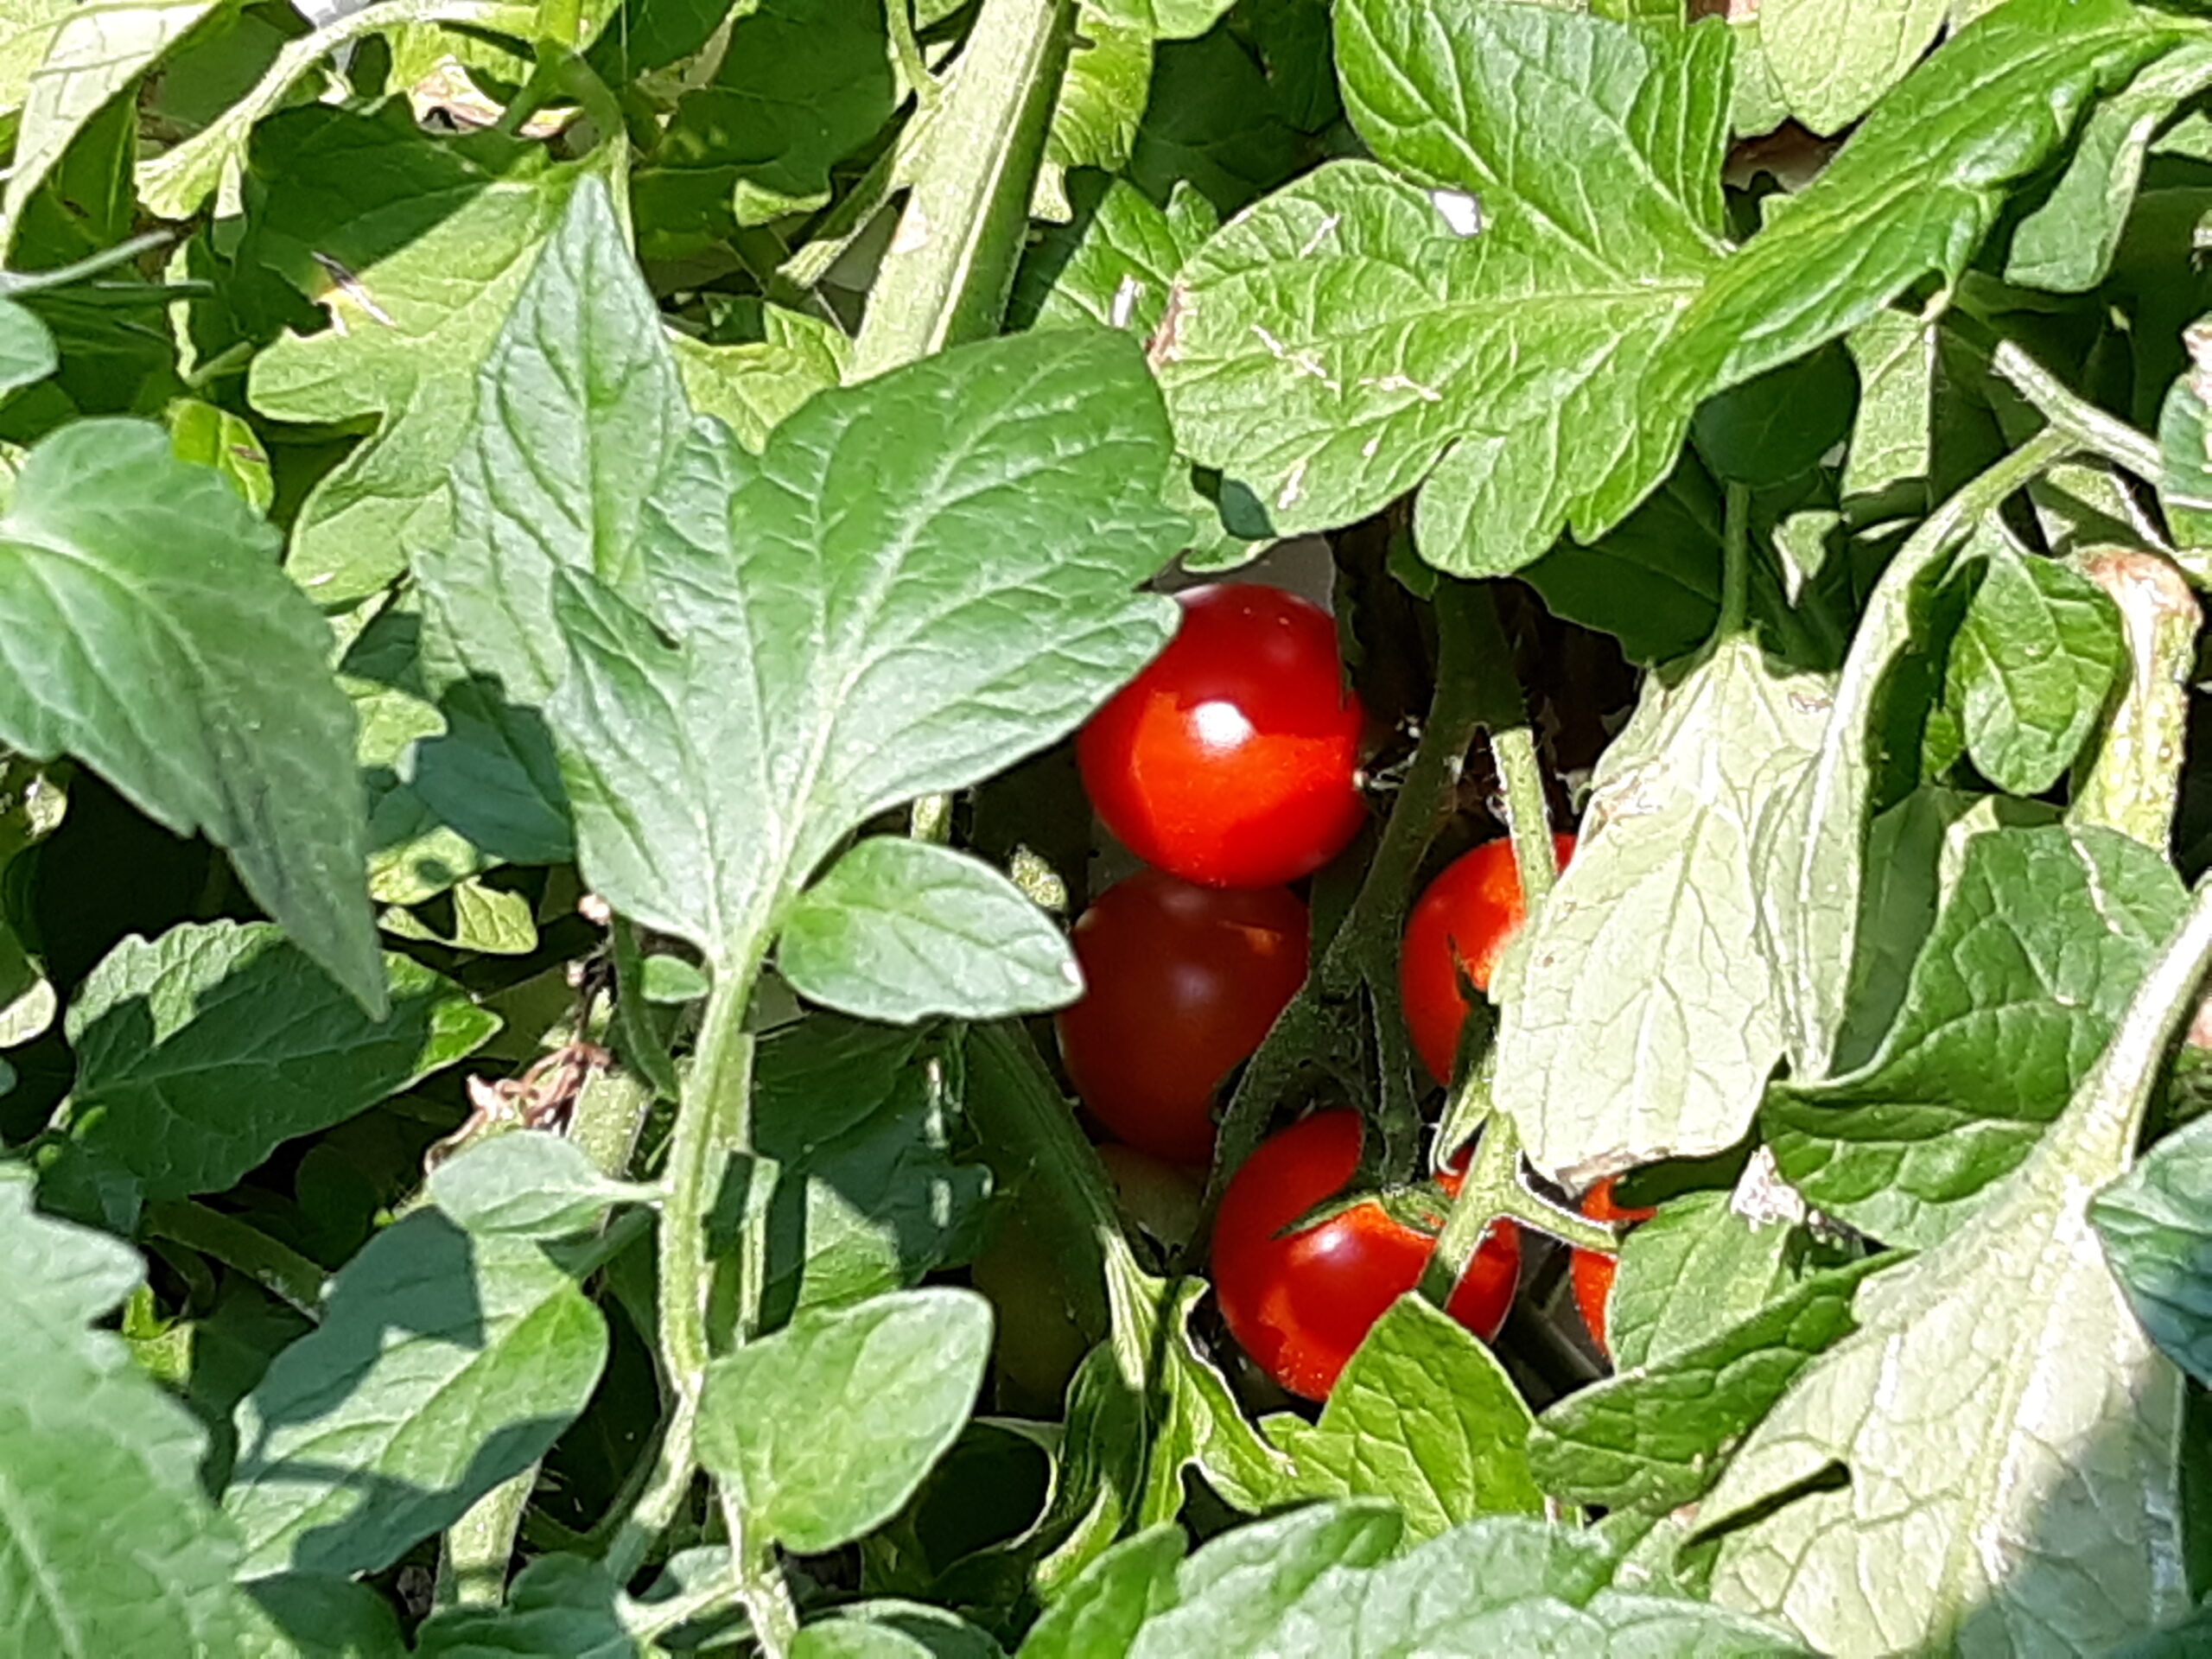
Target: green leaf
[[2185, 441], [829, 1424], [1655, 1437], [1115, 264], [27, 351], [94, 52], [151, 634], [433, 238], [1778, 425], [444, 1365], [579, 409], [2156, 1222], [900, 930], [753, 387], [558, 1607], [2018, 989], [2007, 1431], [803, 84], [1892, 437], [1355, 332], [309, 1615], [214, 437], [108, 1545], [969, 603], [1423, 1415], [2067, 244], [1913, 192], [1102, 95], [173, 183], [869, 1198], [642, 36], [1098, 1615], [528, 1185], [471, 916], [886, 1628], [1833, 62], [1321, 1581], [1648, 1013], [202, 1052], [1692, 1271], [1653, 581], [2032, 665]]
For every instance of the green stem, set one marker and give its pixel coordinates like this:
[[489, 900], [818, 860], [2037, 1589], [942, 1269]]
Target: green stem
[[1735, 561], [908, 50], [1493, 1189], [278, 1268], [2131, 781], [1513, 746], [713, 1119], [760, 1583], [477, 1550], [946, 275], [2088, 427], [1365, 948], [639, 1037]]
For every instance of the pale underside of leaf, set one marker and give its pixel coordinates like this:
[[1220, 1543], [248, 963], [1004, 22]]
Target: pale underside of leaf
[[1648, 1015]]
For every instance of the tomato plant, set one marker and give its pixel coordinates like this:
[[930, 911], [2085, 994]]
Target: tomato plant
[[597, 596], [1234, 758], [1460, 925], [1183, 982], [1301, 1302], [1593, 1271]]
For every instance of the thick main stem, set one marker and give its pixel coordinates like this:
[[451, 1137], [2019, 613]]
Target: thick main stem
[[946, 275], [2131, 782], [714, 1120]]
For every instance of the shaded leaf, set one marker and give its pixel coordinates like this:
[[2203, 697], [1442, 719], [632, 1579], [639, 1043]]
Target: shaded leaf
[[202, 1052], [1832, 62], [2156, 1222], [444, 1365], [150, 633]]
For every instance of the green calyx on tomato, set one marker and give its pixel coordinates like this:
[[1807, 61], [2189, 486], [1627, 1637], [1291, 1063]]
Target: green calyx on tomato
[[1183, 982], [1301, 1303], [1459, 927], [1233, 760]]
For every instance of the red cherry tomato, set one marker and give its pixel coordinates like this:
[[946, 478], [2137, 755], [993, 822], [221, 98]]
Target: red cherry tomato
[[1183, 982], [1233, 760], [1464, 921], [1593, 1272], [1300, 1305]]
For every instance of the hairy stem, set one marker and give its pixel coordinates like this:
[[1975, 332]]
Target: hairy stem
[[760, 1583], [2090, 428], [947, 273], [1493, 1189], [2131, 781]]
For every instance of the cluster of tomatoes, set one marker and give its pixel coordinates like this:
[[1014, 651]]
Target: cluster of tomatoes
[[1230, 766]]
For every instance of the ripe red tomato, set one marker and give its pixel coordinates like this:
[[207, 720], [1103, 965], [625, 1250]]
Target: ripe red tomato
[[1183, 982], [1593, 1273], [1233, 760], [1464, 919], [1300, 1305]]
